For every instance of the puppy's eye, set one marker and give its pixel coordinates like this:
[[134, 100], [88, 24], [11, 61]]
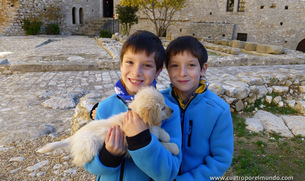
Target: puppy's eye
[[163, 108]]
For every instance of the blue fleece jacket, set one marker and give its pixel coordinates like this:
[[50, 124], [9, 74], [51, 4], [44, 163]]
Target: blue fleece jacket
[[151, 161], [207, 137]]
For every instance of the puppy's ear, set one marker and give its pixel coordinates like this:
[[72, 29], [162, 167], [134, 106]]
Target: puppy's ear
[[151, 115]]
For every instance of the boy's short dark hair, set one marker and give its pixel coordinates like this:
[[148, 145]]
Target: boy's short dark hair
[[186, 44], [145, 41]]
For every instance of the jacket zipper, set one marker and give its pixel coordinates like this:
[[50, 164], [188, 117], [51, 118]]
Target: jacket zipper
[[190, 133], [122, 170]]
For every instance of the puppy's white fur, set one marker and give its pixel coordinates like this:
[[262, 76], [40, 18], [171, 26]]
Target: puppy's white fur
[[148, 103]]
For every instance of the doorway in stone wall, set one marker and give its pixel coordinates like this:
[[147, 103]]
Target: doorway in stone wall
[[301, 46], [108, 8]]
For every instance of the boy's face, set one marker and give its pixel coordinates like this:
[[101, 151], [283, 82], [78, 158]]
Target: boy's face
[[138, 70], [184, 72]]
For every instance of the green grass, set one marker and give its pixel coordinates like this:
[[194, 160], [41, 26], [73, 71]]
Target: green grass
[[265, 154]]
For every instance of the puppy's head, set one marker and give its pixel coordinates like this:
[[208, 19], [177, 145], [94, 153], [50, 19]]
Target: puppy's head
[[149, 104]]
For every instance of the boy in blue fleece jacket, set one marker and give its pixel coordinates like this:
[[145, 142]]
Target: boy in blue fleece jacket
[[207, 129], [141, 59]]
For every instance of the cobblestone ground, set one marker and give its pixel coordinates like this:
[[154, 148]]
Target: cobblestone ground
[[21, 105], [50, 48]]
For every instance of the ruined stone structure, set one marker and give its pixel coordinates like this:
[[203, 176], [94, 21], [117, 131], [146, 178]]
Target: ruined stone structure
[[270, 22]]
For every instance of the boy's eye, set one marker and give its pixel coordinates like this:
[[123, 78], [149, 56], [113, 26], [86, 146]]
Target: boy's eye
[[173, 65], [148, 65], [192, 65], [129, 62]]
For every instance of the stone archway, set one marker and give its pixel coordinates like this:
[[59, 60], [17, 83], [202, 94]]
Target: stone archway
[[73, 15], [301, 46], [81, 16]]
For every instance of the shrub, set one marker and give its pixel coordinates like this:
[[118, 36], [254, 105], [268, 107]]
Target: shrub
[[31, 27], [52, 29], [105, 34]]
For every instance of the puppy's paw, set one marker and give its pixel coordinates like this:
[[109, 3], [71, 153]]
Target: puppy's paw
[[172, 147]]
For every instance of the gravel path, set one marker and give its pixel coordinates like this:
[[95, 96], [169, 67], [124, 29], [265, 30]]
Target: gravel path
[[20, 161]]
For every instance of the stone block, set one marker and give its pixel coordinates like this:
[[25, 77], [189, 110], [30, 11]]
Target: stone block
[[302, 89], [281, 90], [290, 103], [239, 105], [225, 42], [3, 61], [238, 44], [268, 99], [277, 100], [235, 51], [300, 107], [296, 124], [272, 49], [250, 46], [216, 88], [81, 115], [217, 41], [261, 48], [272, 122], [254, 125]]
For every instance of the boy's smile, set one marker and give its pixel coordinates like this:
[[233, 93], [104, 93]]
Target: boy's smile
[[184, 72], [138, 70]]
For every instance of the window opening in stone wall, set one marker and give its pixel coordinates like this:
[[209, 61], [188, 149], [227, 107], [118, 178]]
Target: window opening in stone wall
[[242, 36], [286, 7], [241, 5], [262, 7], [81, 15], [73, 15], [281, 23], [301, 46], [230, 5], [108, 8]]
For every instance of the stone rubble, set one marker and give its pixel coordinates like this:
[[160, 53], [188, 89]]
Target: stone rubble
[[34, 104]]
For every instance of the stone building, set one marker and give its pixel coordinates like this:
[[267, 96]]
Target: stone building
[[73, 16], [275, 22]]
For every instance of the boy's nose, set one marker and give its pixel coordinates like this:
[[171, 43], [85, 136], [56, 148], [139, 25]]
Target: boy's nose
[[137, 70], [183, 71]]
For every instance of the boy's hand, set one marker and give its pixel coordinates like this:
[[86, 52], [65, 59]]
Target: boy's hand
[[115, 141], [93, 114], [133, 124]]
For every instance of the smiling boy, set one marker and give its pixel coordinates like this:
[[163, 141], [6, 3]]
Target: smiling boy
[[142, 58], [207, 129]]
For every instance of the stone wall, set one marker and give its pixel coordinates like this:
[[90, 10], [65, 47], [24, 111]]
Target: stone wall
[[17, 10], [212, 30], [268, 22], [14, 11]]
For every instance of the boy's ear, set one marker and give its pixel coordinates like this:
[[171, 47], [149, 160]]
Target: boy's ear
[[204, 69]]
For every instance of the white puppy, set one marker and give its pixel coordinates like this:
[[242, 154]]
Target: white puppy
[[148, 103]]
